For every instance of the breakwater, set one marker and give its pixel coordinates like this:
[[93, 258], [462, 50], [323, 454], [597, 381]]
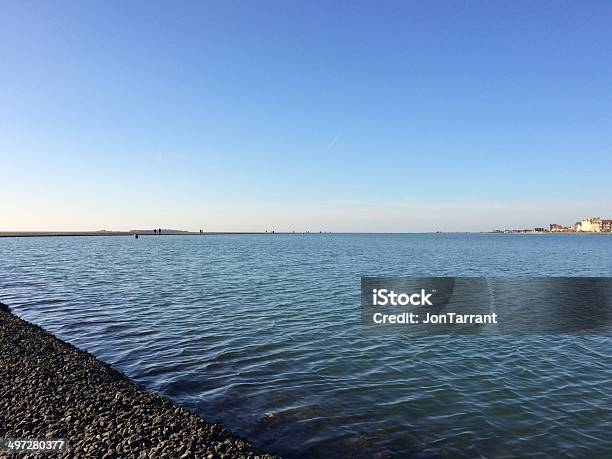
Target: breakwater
[[51, 389]]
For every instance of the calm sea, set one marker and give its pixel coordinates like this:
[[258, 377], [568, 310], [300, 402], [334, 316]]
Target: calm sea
[[262, 334]]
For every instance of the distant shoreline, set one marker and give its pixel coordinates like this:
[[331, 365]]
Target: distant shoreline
[[115, 233], [547, 233], [257, 233]]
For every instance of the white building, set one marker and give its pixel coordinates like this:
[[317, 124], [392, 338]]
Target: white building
[[592, 225]]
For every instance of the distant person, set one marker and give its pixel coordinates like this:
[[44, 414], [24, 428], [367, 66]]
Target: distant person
[[159, 231], [155, 231]]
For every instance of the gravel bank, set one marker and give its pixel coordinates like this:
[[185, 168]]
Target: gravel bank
[[50, 389]]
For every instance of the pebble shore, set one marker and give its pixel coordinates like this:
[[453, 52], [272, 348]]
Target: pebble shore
[[51, 389]]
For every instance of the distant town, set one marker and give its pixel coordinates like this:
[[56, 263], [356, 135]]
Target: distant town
[[587, 225]]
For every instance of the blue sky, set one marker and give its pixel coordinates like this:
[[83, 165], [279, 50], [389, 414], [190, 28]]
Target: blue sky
[[339, 116]]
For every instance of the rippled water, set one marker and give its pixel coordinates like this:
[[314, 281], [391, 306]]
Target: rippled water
[[262, 334]]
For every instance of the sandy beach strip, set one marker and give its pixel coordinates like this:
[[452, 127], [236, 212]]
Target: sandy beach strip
[[122, 233], [64, 233], [51, 389]]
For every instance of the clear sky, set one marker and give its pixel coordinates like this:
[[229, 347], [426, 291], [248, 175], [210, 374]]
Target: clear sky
[[304, 115]]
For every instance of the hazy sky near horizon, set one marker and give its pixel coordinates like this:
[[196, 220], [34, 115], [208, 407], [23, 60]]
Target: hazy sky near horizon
[[309, 115]]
